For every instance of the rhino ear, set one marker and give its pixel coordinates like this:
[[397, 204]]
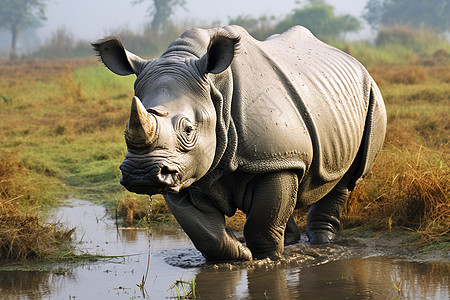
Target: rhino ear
[[221, 50], [116, 58]]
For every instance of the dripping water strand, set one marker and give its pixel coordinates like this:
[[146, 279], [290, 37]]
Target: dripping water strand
[[149, 234]]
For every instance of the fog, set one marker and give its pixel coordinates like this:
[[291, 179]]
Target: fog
[[90, 19]]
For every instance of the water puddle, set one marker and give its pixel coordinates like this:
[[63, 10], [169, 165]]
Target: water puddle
[[340, 271]]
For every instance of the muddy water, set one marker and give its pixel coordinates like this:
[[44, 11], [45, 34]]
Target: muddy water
[[347, 270]]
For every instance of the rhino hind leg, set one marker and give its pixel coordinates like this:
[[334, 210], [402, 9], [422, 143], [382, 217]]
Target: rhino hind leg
[[324, 216], [292, 232]]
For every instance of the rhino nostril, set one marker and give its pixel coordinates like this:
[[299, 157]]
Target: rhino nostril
[[168, 175], [166, 171]]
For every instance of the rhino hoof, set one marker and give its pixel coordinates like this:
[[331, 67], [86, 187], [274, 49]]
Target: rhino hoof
[[321, 237]]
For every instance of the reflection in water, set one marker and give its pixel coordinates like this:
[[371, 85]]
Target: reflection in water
[[130, 235], [375, 278], [278, 287], [16, 282], [173, 257], [359, 278]]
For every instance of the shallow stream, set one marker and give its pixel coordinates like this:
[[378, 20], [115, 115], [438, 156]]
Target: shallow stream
[[347, 270]]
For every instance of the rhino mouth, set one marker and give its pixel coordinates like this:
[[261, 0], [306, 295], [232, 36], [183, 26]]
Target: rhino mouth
[[149, 177]]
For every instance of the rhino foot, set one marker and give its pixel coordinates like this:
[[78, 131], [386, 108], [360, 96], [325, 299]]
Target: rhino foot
[[320, 232], [323, 217], [321, 237]]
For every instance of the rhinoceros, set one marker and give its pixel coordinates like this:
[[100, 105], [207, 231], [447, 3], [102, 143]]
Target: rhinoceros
[[222, 121]]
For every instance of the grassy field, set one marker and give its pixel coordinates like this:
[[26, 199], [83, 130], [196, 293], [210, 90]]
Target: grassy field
[[61, 135], [410, 185]]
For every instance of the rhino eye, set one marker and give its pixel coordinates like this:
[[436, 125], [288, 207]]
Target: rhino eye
[[187, 135], [188, 129]]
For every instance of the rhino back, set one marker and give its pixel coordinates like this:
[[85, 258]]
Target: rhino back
[[298, 103]]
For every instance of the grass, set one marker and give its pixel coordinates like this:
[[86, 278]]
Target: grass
[[22, 233], [410, 185], [62, 128], [404, 191], [58, 138], [184, 289], [66, 126], [400, 45], [142, 212]]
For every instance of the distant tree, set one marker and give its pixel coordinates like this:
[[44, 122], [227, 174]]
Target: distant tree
[[319, 17], [160, 11], [373, 12], [17, 15], [415, 13]]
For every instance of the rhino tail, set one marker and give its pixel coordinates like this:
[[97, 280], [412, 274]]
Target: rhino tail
[[373, 137]]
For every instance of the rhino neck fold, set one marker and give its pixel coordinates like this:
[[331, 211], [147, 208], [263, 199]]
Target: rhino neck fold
[[221, 94]]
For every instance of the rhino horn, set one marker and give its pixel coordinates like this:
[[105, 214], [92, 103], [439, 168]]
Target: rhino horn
[[142, 126]]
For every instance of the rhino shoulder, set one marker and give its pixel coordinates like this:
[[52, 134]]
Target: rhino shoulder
[[293, 34]]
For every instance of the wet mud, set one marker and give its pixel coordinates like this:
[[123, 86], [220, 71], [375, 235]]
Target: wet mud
[[352, 268]]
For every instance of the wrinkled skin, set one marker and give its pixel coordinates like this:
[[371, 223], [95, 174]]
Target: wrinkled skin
[[222, 121]]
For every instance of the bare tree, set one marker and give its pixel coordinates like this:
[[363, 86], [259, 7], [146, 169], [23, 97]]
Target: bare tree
[[160, 11], [17, 15]]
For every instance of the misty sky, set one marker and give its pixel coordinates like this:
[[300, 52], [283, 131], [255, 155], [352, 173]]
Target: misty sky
[[91, 19]]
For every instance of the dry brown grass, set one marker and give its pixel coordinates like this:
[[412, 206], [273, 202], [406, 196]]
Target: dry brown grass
[[128, 208], [135, 210], [414, 73], [237, 221], [410, 185], [17, 182], [403, 74], [405, 190], [40, 68], [159, 210], [23, 235]]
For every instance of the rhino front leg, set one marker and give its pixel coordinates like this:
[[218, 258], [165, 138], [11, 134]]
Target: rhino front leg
[[274, 199], [205, 226], [324, 216]]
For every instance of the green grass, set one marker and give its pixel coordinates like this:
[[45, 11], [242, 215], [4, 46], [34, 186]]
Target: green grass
[[69, 126], [61, 136], [184, 289], [400, 45]]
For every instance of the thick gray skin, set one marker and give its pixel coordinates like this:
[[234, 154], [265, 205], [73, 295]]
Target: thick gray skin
[[271, 125]]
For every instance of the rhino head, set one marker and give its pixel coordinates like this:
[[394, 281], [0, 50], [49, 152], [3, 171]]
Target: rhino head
[[171, 133]]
